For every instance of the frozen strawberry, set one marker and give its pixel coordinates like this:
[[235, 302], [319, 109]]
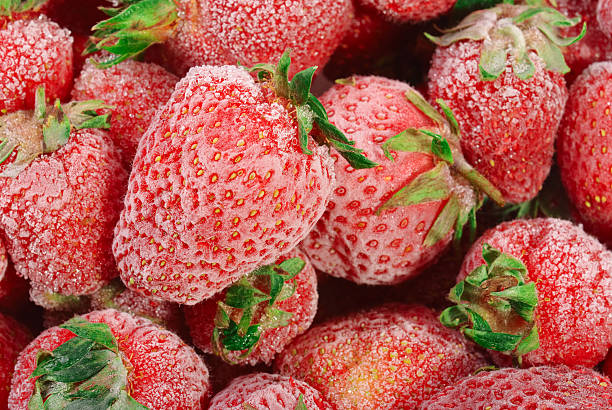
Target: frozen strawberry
[[135, 90], [225, 180], [109, 359], [385, 225], [33, 53], [390, 357], [61, 187], [595, 46], [281, 304], [263, 391], [414, 10], [546, 387], [226, 32], [13, 338], [604, 16], [585, 137], [539, 290], [116, 296], [13, 10], [508, 107]]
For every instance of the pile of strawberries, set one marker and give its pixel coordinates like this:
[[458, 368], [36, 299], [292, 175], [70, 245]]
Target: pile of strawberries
[[303, 204]]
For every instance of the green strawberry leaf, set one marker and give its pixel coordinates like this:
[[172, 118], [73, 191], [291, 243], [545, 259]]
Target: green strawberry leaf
[[244, 295], [444, 223], [96, 332], [299, 87], [63, 357], [233, 341]]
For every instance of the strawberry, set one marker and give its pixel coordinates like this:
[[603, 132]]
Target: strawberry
[[263, 391], [547, 299], [546, 387], [390, 357], [604, 16], [413, 11], [12, 10], [116, 296], [595, 46], [585, 137], [109, 359], [221, 182], [61, 189], [281, 304], [135, 90], [386, 225], [508, 108], [34, 53], [13, 338], [225, 32]]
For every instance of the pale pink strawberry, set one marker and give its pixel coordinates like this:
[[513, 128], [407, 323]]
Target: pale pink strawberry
[[604, 16]]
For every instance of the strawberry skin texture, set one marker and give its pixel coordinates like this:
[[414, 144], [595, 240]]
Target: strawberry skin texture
[[604, 16], [58, 215], [573, 276], [265, 391], [508, 126], [585, 137], [13, 338], [219, 187], [411, 11], [350, 241], [390, 357], [135, 90], [34, 53], [164, 372], [546, 387], [225, 32], [302, 305]]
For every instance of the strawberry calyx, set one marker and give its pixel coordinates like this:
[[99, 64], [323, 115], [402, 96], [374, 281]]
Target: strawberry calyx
[[310, 114], [9, 7], [517, 29], [132, 28], [44, 130], [495, 306], [450, 169], [87, 371], [254, 296]]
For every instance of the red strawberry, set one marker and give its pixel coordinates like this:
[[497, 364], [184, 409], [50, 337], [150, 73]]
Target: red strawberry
[[34, 53], [13, 10], [61, 194], [221, 183], [13, 338], [221, 31], [380, 226], [508, 109], [135, 90], [545, 387], [595, 46], [109, 358], [585, 137], [279, 322], [391, 357], [552, 280], [116, 296], [414, 10], [263, 391], [604, 16]]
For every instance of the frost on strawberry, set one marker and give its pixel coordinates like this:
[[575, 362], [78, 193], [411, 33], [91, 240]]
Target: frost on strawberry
[[13, 338], [385, 225], [256, 317], [584, 147], [540, 289], [229, 176], [545, 387], [391, 357], [112, 360], [61, 186], [501, 72], [410, 11], [604, 16], [220, 32], [263, 391]]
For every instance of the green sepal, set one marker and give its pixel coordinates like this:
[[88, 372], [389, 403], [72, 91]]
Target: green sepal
[[409, 140], [8, 7], [426, 108], [96, 332], [244, 295], [450, 117], [299, 87], [64, 356], [132, 28], [440, 147], [444, 223], [530, 343], [300, 405], [56, 129], [427, 187], [233, 341]]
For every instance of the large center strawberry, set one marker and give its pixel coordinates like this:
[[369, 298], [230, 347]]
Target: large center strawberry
[[224, 180]]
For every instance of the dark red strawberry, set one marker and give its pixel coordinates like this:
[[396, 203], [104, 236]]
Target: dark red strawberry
[[13, 338], [109, 359], [546, 387]]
